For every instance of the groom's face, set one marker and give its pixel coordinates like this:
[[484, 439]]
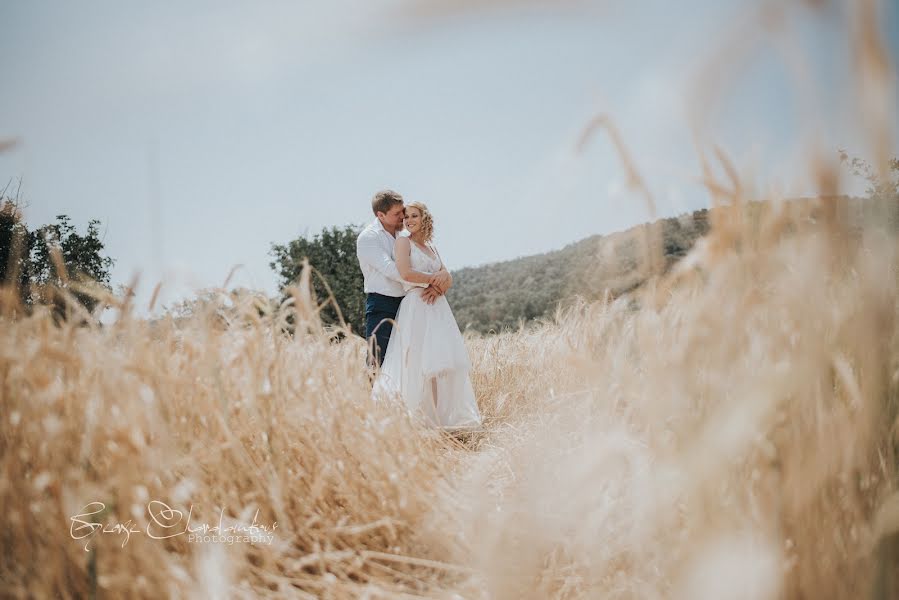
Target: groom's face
[[393, 217]]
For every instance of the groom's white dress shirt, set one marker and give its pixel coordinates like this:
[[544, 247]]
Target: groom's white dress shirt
[[374, 248]]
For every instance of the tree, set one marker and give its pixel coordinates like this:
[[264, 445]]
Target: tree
[[882, 191], [30, 254], [81, 256], [14, 240], [880, 186], [332, 253]]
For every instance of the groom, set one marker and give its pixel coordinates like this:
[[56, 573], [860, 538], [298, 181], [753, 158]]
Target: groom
[[383, 285]]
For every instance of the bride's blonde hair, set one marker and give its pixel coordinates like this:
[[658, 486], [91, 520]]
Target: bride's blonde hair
[[427, 221]]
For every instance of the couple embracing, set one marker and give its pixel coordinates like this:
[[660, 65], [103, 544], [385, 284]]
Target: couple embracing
[[408, 322]]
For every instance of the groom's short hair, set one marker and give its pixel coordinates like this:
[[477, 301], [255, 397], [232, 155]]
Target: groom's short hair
[[384, 200]]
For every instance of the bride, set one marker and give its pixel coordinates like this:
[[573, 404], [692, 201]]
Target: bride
[[426, 362]]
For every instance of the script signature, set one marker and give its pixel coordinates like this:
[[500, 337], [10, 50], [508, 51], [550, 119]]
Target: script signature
[[164, 522]]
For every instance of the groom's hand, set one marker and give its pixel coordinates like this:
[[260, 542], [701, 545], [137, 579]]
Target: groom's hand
[[430, 294]]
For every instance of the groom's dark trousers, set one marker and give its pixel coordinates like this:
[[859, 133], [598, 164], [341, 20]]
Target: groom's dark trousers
[[377, 308]]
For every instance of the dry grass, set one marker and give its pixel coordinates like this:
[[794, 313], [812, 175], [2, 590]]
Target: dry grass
[[735, 440], [730, 431]]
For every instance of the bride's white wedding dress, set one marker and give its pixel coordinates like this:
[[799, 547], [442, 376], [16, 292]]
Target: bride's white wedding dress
[[426, 362]]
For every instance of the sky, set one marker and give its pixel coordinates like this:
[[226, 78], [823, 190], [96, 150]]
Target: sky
[[200, 133]]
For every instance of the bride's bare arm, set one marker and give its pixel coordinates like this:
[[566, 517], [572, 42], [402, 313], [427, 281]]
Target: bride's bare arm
[[442, 279], [403, 250]]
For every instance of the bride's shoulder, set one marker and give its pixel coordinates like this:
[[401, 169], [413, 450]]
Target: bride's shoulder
[[402, 241]]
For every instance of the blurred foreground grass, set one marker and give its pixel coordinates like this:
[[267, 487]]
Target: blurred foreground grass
[[728, 432]]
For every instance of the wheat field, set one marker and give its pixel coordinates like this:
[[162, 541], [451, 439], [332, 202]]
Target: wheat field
[[730, 432]]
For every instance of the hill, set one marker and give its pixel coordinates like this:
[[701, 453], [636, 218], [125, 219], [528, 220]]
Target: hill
[[501, 295]]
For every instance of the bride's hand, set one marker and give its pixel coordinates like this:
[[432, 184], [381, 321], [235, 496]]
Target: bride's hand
[[440, 280]]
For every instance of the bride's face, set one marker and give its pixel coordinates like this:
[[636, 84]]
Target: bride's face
[[412, 220]]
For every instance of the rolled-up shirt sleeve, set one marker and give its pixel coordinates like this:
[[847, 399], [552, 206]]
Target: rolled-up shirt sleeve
[[372, 254]]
